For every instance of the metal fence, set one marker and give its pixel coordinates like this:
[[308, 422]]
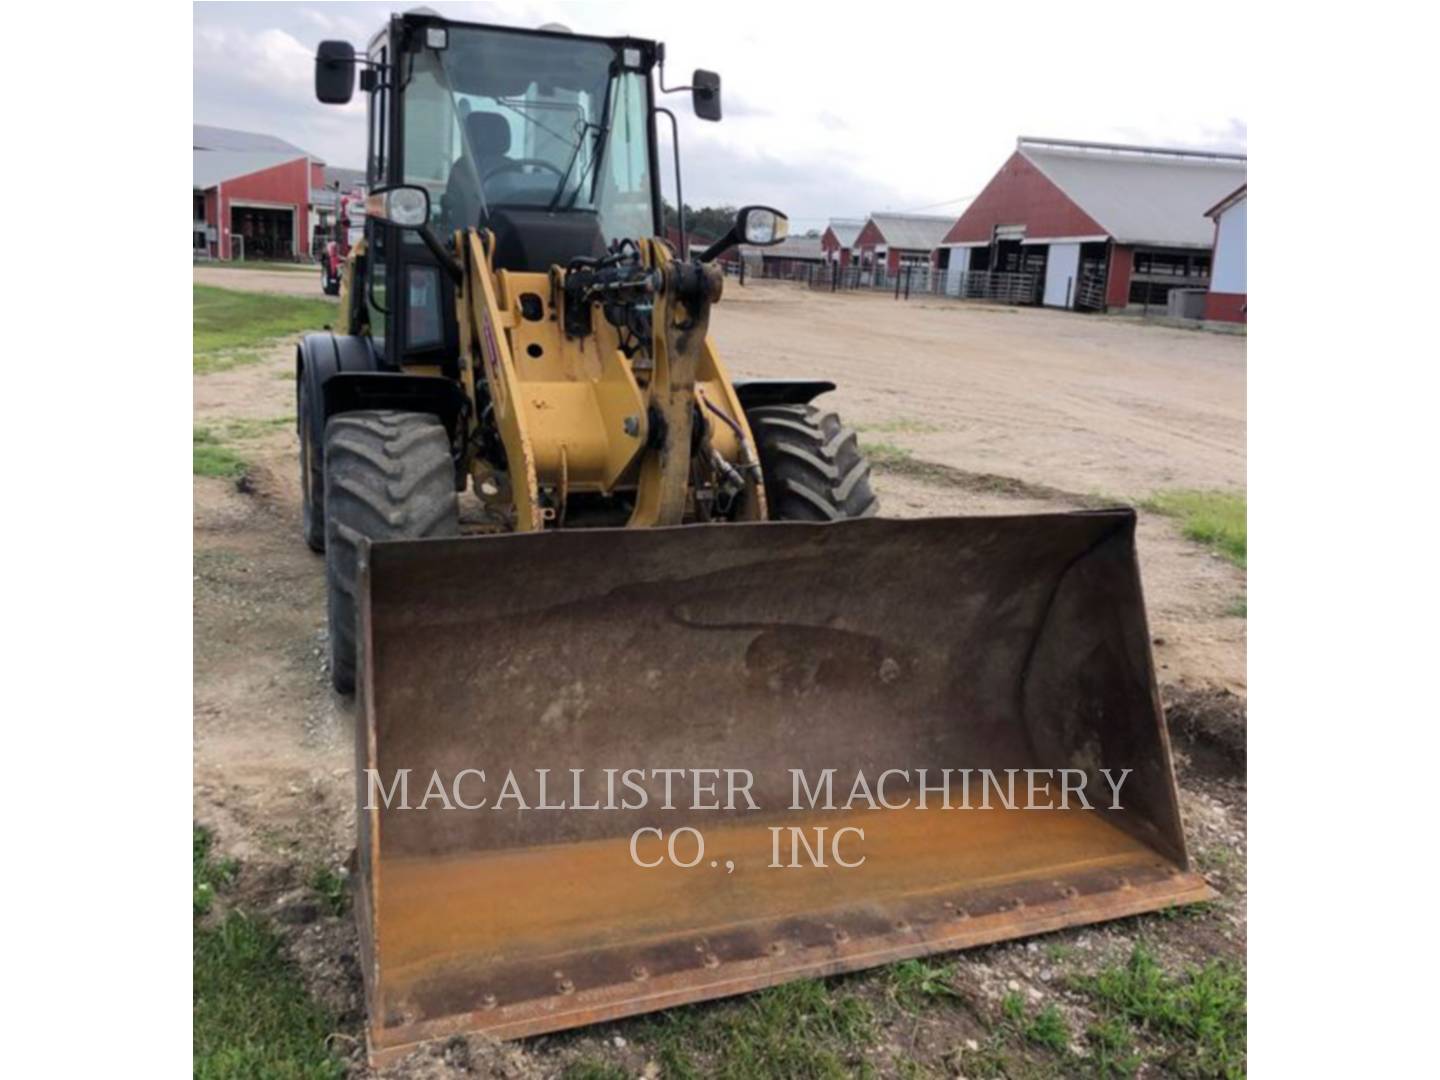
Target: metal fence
[[908, 281]]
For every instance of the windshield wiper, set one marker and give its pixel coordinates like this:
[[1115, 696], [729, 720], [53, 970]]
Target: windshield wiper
[[574, 157]]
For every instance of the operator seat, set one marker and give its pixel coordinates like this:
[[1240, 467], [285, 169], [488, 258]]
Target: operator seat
[[528, 237], [488, 135]]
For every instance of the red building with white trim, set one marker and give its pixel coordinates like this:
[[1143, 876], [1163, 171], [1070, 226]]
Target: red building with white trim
[[891, 241], [838, 240], [256, 196], [1096, 225]]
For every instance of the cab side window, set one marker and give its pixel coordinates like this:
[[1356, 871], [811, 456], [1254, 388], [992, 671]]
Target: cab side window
[[376, 167]]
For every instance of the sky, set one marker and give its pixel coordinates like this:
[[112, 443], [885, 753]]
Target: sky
[[831, 110]]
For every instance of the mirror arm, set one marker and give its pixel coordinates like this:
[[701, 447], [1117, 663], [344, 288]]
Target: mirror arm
[[719, 247], [447, 261], [660, 67], [679, 194]]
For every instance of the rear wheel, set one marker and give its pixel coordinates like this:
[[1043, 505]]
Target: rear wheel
[[812, 464], [388, 476]]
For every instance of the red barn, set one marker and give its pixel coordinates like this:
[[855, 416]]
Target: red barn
[[838, 240], [1096, 225], [253, 195], [891, 241]]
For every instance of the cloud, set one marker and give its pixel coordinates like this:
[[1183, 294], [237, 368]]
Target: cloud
[[809, 189], [817, 136]]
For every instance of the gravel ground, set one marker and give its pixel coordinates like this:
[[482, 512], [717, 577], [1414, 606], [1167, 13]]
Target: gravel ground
[[1067, 406]]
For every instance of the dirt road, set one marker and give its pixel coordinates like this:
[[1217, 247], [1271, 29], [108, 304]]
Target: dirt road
[[1065, 405], [1086, 404], [298, 282]]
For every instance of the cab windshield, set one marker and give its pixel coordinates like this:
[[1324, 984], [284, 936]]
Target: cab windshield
[[515, 120]]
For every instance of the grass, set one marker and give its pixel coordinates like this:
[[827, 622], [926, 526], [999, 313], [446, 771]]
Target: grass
[[229, 325], [1213, 518], [209, 876], [332, 889], [252, 1017], [593, 1069], [214, 459], [1112, 1048], [903, 425], [1198, 1017], [885, 454], [264, 264], [917, 983], [214, 456], [232, 430], [1046, 1029], [804, 1030]]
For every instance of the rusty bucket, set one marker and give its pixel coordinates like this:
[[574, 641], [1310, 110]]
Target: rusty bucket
[[606, 729]]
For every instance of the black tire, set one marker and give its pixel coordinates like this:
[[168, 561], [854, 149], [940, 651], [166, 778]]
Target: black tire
[[388, 476], [312, 468], [812, 464]]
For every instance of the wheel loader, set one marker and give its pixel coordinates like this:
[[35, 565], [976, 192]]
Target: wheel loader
[[652, 705]]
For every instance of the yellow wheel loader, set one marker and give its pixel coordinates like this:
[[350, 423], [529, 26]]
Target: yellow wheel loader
[[661, 711]]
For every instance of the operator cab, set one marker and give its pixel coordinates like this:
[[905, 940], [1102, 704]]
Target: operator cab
[[547, 138]]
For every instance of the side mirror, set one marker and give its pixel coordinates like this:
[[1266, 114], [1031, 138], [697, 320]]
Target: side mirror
[[335, 72], [405, 207], [705, 94], [759, 226]]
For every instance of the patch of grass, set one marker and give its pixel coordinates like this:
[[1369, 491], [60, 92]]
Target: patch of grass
[[252, 1016], [917, 983], [265, 264], [910, 1069], [209, 875], [1199, 1016], [228, 321], [1197, 910], [885, 454], [1112, 1048], [902, 426], [1238, 608], [229, 430], [1213, 518], [213, 459], [332, 888], [806, 1030], [1218, 858], [210, 363], [1046, 1029], [593, 1069]]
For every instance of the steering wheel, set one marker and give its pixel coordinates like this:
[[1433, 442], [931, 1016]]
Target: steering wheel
[[516, 164]]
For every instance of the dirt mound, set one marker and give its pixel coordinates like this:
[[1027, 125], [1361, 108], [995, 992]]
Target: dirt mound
[[1208, 724]]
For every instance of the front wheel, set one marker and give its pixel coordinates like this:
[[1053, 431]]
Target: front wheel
[[812, 463], [388, 476]]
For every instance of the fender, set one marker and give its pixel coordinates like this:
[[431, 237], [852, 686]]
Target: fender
[[317, 358], [350, 391], [756, 392]]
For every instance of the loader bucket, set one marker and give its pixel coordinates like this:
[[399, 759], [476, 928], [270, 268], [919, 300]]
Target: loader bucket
[[888, 650]]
